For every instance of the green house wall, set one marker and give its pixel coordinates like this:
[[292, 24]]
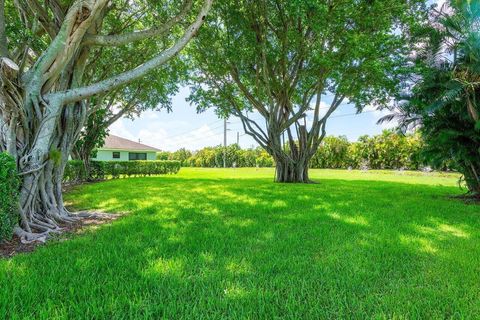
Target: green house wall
[[107, 155]]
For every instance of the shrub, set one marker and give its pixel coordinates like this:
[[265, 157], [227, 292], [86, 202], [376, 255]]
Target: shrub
[[332, 153], [388, 150], [74, 172], [100, 170], [181, 155], [9, 190], [163, 155], [264, 160]]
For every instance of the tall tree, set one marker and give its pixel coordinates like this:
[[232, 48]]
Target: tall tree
[[285, 60], [46, 50], [443, 100]]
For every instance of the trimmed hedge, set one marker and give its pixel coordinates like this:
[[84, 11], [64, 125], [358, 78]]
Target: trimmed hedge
[[9, 190], [100, 170]]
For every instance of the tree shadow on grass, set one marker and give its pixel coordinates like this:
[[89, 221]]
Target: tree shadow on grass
[[208, 248]]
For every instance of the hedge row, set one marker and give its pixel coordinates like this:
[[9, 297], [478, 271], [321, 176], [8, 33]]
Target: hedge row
[[99, 170], [9, 190]]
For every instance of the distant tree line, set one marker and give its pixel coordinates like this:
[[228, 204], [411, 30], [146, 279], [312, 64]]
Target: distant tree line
[[388, 150], [211, 157]]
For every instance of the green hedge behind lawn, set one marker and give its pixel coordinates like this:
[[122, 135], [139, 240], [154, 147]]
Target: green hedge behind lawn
[[100, 170], [9, 189]]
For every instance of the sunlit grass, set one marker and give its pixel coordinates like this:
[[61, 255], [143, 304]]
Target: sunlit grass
[[213, 243]]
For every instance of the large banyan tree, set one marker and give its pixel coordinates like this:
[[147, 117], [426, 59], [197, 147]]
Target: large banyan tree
[[46, 48], [291, 64]]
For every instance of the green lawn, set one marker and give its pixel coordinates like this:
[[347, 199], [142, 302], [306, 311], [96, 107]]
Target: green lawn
[[212, 243]]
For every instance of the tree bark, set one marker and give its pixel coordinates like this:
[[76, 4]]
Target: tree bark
[[288, 171]]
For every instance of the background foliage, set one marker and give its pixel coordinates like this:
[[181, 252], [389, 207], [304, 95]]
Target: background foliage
[[443, 102], [388, 150]]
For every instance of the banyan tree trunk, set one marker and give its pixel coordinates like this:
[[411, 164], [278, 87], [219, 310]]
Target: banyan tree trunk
[[41, 203], [289, 171]]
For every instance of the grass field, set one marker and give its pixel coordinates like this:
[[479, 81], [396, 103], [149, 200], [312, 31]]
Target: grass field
[[213, 243]]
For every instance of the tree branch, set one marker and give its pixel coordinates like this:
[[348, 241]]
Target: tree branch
[[132, 75], [258, 105], [122, 39]]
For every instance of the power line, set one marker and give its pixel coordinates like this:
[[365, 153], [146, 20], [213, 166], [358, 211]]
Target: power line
[[351, 114], [210, 135], [191, 130], [338, 116], [213, 134]]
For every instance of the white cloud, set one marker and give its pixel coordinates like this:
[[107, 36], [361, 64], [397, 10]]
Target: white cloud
[[150, 115], [170, 135], [119, 128]]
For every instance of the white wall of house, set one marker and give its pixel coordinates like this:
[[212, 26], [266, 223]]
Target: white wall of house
[[107, 155]]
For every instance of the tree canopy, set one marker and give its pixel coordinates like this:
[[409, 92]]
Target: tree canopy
[[288, 60]]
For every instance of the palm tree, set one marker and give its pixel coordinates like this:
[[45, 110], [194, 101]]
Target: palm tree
[[443, 100]]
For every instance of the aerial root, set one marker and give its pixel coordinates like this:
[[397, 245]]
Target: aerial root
[[29, 237], [46, 226], [95, 215]]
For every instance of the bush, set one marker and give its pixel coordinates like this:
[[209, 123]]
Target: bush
[[9, 190], [100, 170], [332, 153], [388, 150], [264, 160], [74, 172]]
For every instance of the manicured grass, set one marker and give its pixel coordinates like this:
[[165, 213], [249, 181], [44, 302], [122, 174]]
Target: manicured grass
[[212, 243]]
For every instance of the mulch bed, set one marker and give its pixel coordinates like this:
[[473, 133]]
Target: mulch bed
[[13, 247]]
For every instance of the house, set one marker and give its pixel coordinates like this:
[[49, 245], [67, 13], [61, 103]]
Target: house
[[120, 149]]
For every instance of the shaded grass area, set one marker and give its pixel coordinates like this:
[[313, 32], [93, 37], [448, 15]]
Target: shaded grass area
[[212, 243]]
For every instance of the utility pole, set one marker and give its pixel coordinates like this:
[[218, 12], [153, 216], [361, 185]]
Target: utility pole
[[225, 142], [238, 138]]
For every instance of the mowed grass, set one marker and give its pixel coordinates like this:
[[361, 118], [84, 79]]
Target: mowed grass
[[215, 244]]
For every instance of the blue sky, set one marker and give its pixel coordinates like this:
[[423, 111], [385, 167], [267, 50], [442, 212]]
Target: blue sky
[[184, 127]]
